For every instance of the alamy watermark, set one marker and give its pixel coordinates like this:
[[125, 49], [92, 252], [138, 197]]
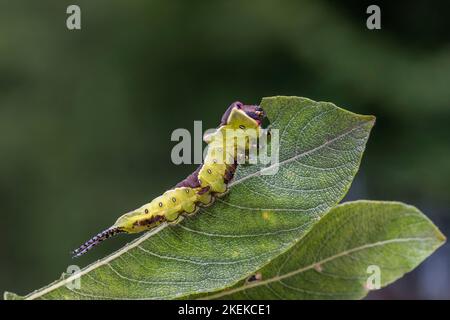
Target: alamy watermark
[[249, 146], [373, 22], [72, 270], [73, 21], [373, 282]]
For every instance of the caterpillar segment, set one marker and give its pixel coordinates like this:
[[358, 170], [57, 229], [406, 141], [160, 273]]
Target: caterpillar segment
[[232, 139]]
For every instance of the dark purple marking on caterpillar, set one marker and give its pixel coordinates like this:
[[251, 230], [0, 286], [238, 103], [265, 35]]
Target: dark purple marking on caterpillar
[[204, 190], [191, 181], [229, 174], [149, 221]]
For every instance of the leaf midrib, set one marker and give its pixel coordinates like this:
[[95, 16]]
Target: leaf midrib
[[311, 266]]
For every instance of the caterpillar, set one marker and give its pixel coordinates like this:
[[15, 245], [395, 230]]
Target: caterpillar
[[208, 181]]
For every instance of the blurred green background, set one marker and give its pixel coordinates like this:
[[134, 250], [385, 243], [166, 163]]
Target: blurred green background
[[86, 116]]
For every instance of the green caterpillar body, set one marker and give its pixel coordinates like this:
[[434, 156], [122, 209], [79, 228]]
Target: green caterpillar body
[[200, 188]]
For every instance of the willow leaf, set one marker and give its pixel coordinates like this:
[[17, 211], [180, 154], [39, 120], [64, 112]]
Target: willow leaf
[[321, 146], [344, 252]]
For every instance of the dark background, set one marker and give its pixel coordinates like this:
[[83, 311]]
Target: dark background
[[86, 116]]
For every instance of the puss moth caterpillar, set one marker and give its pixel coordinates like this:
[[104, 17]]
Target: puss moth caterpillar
[[210, 180]]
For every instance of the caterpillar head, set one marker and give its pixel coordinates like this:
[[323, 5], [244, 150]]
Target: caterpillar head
[[239, 113]]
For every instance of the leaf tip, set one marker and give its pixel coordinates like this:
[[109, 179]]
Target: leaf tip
[[440, 237], [371, 118]]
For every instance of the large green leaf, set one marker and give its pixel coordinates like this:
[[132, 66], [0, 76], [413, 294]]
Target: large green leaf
[[337, 257], [263, 215]]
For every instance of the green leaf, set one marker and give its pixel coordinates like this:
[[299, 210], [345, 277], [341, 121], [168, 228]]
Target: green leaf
[[332, 260], [321, 147]]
